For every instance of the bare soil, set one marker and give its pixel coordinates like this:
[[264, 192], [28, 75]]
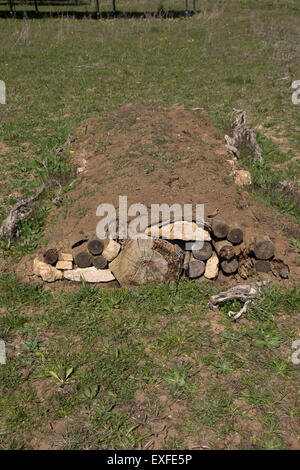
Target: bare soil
[[158, 156]]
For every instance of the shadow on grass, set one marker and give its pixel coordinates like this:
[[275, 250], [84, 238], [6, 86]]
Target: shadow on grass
[[93, 15]]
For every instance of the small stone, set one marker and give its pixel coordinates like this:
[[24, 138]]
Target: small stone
[[212, 267], [64, 265], [242, 178], [89, 275], [111, 250], [65, 257], [47, 272]]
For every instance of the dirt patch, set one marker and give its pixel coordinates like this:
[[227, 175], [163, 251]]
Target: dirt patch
[[174, 156]]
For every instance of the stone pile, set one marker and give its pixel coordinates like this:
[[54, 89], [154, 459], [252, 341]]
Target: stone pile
[[160, 255]]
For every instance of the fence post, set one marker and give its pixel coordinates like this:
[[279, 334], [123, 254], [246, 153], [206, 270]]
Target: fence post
[[98, 9]]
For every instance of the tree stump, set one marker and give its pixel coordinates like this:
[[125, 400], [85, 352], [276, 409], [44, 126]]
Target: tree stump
[[143, 261]]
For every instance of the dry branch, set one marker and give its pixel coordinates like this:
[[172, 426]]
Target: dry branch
[[244, 292], [242, 135]]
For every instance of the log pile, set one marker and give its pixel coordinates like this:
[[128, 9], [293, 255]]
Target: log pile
[[160, 255]]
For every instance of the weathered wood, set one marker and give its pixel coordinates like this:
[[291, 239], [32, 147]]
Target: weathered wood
[[262, 266], [219, 228], [99, 262], [146, 260], [203, 253], [224, 249], [235, 234], [83, 259], [264, 248], [230, 267], [245, 293], [95, 245], [195, 268], [51, 256]]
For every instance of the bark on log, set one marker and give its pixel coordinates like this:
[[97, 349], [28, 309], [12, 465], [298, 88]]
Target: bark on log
[[51, 256], [219, 228], [264, 249], [83, 259], [95, 245], [99, 262], [235, 234], [203, 253]]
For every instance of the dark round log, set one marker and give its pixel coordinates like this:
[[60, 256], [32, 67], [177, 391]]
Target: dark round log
[[230, 267], [262, 266], [83, 259], [224, 249], [219, 228], [196, 268], [235, 234], [51, 256], [203, 253], [99, 262], [264, 249], [95, 245]]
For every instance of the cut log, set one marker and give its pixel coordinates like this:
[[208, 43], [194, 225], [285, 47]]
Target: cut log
[[147, 260], [264, 248], [224, 249], [219, 228], [203, 253], [95, 245], [83, 259], [51, 256], [99, 262], [235, 234], [196, 268], [111, 249], [230, 267], [262, 266]]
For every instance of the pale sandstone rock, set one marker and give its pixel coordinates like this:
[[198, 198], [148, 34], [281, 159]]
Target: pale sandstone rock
[[64, 265], [65, 257], [180, 230], [89, 275], [242, 178], [111, 250], [47, 272], [212, 267]]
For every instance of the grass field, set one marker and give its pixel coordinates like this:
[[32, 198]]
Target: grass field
[[114, 369]]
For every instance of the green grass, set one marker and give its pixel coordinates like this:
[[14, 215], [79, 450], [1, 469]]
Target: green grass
[[86, 356], [82, 356]]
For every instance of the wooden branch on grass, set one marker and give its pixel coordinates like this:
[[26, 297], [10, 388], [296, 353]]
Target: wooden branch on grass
[[244, 292]]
